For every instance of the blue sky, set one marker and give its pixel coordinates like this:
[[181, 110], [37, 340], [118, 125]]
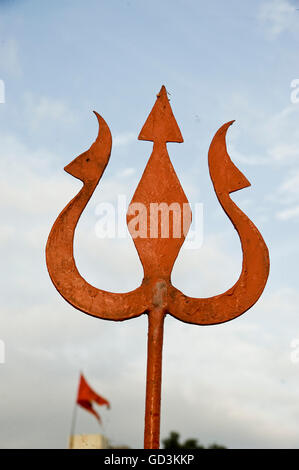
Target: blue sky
[[234, 383]]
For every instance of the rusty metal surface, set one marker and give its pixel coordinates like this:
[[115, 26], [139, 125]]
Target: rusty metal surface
[[157, 296]]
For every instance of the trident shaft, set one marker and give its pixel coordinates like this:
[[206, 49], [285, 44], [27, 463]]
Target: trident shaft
[[156, 296]]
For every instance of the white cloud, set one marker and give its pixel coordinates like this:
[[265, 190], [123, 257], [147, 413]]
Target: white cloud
[[9, 57], [287, 197], [288, 191], [127, 172], [123, 139], [284, 152], [255, 160], [279, 16], [288, 214], [281, 134], [291, 185], [273, 134], [41, 109], [26, 186]]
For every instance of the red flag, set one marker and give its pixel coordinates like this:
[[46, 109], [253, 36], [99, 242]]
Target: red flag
[[86, 396]]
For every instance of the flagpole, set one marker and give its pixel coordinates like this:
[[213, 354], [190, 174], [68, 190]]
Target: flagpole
[[73, 422]]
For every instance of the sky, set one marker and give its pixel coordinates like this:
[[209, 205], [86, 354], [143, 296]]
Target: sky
[[236, 383]]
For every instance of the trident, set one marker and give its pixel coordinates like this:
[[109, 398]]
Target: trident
[[156, 296]]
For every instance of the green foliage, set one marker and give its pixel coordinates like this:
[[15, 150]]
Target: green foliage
[[173, 442]]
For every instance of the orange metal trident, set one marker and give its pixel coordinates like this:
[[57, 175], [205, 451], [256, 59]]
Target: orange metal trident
[[157, 296]]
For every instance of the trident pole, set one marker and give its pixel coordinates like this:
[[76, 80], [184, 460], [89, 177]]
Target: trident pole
[[154, 378]]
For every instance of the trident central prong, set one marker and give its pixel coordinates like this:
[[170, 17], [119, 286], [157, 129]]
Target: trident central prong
[[159, 189]]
